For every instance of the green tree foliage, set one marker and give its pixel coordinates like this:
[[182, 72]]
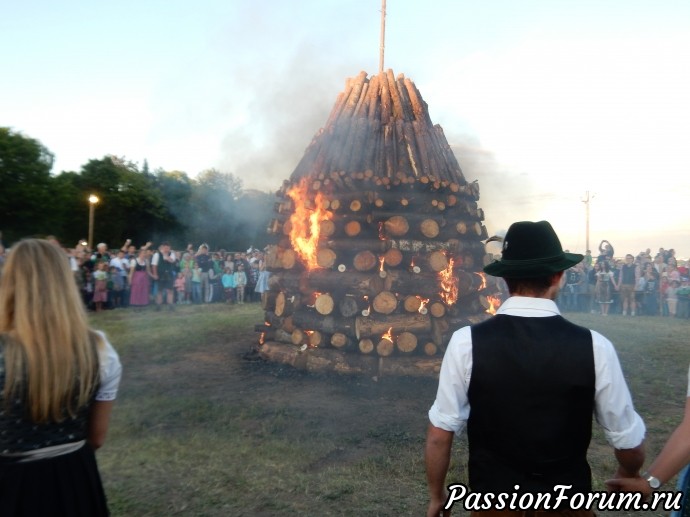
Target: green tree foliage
[[134, 203], [25, 186]]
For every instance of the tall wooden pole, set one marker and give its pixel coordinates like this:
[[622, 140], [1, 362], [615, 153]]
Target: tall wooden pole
[[383, 35], [586, 202]]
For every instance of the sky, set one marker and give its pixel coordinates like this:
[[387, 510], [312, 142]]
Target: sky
[[542, 101]]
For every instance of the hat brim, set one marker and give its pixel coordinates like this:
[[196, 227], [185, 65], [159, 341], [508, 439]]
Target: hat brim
[[532, 268]]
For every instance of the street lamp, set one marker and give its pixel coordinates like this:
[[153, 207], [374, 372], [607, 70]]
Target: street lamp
[[93, 199]]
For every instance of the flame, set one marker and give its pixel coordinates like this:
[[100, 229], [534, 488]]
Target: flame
[[262, 338], [382, 234], [305, 222], [423, 304], [267, 323], [483, 276], [388, 335], [494, 304], [448, 284], [382, 259]]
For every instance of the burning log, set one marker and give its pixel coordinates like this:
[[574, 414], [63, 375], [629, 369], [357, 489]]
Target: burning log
[[369, 326]]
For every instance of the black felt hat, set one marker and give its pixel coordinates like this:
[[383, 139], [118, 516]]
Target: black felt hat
[[531, 250]]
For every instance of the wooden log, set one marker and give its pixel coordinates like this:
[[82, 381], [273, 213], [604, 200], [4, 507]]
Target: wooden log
[[393, 257], [341, 341], [351, 282], [385, 302], [348, 306], [430, 348], [326, 228], [406, 342], [288, 259], [412, 303], [429, 228], [396, 226], [410, 366], [352, 228], [324, 304], [326, 257], [437, 309], [427, 284], [369, 326], [385, 347], [288, 324], [316, 338], [319, 359], [366, 346], [286, 304], [299, 337], [328, 324], [365, 261]]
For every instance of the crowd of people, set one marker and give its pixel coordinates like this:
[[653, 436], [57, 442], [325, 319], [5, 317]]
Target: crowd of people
[[160, 276], [634, 285]]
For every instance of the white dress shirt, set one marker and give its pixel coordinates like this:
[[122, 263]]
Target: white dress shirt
[[614, 410]]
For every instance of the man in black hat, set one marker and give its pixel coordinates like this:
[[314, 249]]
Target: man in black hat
[[526, 383]]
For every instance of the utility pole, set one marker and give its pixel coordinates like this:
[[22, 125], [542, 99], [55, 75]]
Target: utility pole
[[586, 201], [383, 35]]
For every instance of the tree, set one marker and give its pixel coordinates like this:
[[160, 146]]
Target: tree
[[25, 195]]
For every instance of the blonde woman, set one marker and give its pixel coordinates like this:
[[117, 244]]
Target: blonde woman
[[59, 380]]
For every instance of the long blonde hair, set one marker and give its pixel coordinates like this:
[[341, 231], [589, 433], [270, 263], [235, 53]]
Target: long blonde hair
[[50, 355]]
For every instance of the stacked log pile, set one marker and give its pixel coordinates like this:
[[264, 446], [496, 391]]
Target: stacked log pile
[[378, 241]]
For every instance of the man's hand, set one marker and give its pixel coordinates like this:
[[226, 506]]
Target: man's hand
[[636, 484]]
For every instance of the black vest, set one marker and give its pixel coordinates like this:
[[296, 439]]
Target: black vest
[[531, 398]]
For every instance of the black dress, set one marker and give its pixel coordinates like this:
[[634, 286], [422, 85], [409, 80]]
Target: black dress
[[67, 485]]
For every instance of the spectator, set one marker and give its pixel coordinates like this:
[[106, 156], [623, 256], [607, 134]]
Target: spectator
[[121, 264], [604, 287], [117, 292], [204, 263], [139, 272], [628, 276], [228, 281], [672, 298], [180, 287], [240, 283], [100, 285], [650, 297], [262, 282], [197, 291], [605, 251], [163, 269], [50, 426]]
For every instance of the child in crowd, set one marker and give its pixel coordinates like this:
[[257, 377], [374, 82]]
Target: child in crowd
[[100, 286], [179, 287], [187, 273], [228, 280], [117, 281], [672, 297], [240, 283], [196, 285]]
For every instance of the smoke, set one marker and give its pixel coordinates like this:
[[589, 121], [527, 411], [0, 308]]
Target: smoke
[[506, 196]]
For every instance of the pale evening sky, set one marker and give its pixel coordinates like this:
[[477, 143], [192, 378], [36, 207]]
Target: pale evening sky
[[542, 100]]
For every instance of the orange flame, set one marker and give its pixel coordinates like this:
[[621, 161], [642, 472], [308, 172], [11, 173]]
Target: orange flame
[[423, 304], [267, 323], [305, 222], [449, 284], [388, 335], [262, 338], [483, 277], [494, 304], [382, 259], [382, 234]]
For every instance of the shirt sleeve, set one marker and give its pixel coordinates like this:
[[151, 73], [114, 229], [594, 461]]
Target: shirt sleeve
[[110, 372], [451, 409], [614, 410], [688, 382]]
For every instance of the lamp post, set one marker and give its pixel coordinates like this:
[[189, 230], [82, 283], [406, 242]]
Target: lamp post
[[93, 199]]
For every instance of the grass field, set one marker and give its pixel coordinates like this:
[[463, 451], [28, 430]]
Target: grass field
[[199, 429]]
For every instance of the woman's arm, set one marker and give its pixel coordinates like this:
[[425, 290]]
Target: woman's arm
[[99, 418]]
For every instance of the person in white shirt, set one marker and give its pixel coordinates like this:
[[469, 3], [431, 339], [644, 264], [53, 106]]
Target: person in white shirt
[[526, 383]]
